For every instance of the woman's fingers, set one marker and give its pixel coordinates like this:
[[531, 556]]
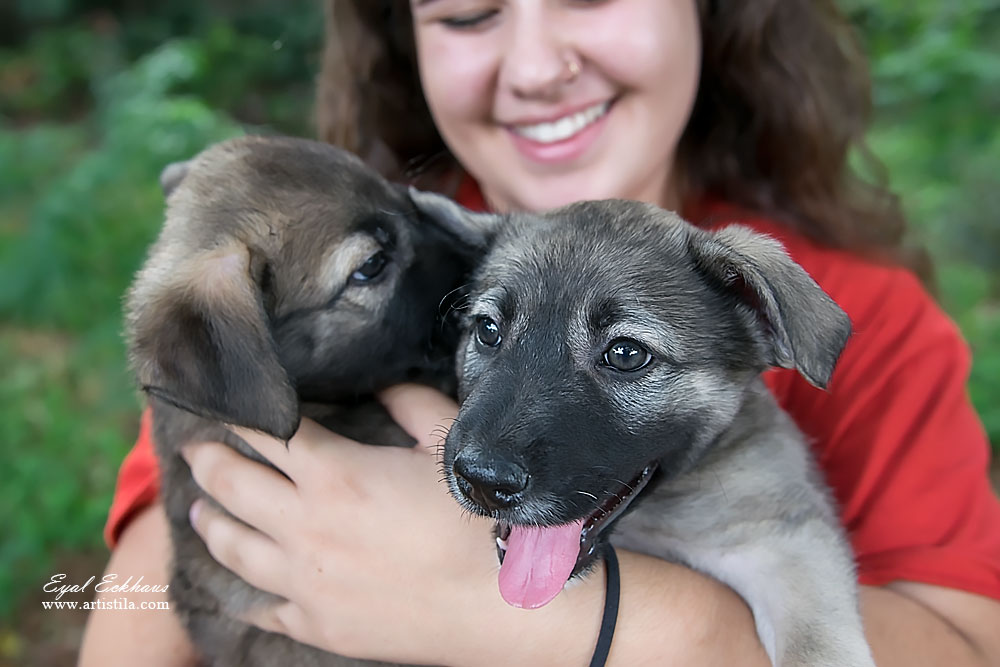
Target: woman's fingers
[[425, 413], [247, 553], [250, 491], [298, 455], [274, 450]]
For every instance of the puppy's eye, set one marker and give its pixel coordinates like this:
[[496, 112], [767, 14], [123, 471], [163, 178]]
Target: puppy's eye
[[487, 332], [626, 355], [371, 268]]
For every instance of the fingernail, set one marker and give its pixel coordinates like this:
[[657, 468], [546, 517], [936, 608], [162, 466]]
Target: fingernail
[[195, 511]]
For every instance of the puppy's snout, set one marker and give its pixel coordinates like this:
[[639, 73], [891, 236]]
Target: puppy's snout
[[493, 484]]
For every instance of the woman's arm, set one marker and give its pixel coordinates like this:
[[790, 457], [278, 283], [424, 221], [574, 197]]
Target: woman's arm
[[377, 561], [671, 615], [915, 624], [138, 637]]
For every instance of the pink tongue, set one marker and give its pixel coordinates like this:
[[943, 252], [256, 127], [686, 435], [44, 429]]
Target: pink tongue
[[538, 563]]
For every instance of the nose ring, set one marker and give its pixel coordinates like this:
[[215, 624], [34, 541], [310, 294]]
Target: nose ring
[[572, 69]]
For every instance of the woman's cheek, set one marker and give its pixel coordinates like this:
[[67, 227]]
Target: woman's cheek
[[663, 44], [457, 75]]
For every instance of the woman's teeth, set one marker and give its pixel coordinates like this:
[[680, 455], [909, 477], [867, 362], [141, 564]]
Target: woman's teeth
[[564, 128]]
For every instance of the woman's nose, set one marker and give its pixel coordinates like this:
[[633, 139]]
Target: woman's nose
[[537, 61]]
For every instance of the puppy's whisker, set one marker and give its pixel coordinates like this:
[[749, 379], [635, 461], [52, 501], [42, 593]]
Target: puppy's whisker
[[595, 505], [445, 297], [625, 484], [721, 486], [454, 308]]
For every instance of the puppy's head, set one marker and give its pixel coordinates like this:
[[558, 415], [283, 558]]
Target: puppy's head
[[287, 269], [606, 341]]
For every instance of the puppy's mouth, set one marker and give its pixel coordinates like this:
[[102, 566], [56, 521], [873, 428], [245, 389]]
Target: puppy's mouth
[[537, 561]]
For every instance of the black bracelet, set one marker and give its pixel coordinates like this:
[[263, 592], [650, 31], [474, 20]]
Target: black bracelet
[[610, 618]]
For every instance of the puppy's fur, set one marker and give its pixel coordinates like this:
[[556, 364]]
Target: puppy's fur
[[288, 279], [736, 494]]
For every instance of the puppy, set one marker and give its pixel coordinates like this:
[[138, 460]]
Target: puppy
[[288, 280], [613, 354]]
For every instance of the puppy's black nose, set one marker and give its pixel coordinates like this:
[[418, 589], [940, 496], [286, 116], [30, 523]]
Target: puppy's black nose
[[491, 484]]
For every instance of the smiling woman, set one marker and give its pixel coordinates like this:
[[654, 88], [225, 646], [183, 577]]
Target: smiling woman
[[543, 101], [731, 112], [780, 97]]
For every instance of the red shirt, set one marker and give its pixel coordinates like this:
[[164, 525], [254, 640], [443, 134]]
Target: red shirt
[[895, 433]]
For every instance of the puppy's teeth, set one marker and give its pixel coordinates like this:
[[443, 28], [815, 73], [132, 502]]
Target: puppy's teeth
[[502, 544]]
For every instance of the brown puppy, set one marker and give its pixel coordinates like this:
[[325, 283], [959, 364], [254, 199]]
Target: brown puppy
[[288, 280]]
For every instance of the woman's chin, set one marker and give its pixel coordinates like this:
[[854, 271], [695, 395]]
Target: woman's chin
[[543, 194]]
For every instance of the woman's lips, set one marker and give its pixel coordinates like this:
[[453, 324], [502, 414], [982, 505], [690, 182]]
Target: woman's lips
[[561, 140]]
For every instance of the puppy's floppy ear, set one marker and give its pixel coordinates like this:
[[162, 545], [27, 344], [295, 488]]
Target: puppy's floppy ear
[[199, 339], [172, 175], [806, 329], [474, 230]]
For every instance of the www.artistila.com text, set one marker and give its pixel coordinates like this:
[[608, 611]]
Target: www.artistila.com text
[[104, 604], [113, 592]]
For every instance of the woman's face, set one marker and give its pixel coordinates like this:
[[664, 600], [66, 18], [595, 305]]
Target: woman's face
[[546, 102]]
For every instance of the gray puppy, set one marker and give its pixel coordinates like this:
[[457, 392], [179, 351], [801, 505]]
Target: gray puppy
[[612, 349], [288, 280]]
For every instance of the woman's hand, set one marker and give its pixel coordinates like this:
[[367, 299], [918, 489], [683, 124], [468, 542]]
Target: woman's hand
[[371, 554], [375, 560]]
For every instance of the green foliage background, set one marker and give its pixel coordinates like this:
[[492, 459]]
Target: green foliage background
[[94, 101], [95, 98]]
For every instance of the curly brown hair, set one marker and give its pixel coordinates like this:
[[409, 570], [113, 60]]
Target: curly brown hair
[[783, 105]]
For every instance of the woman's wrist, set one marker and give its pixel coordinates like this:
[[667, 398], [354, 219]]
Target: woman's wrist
[[672, 614], [667, 613], [563, 632]]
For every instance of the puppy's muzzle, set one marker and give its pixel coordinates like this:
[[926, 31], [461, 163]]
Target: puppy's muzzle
[[490, 482]]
